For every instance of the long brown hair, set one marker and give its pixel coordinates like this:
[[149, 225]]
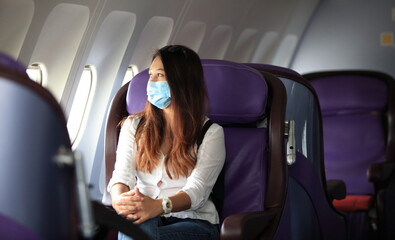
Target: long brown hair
[[189, 100]]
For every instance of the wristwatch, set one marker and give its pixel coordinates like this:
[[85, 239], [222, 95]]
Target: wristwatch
[[166, 205]]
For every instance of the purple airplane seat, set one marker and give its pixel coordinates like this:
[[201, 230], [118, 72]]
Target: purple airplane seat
[[240, 99], [358, 111], [312, 214]]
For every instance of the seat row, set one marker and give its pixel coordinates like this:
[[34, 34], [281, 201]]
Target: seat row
[[285, 135]]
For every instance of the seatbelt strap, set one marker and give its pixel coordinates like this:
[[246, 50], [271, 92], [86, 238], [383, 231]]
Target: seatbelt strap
[[206, 126], [217, 193]]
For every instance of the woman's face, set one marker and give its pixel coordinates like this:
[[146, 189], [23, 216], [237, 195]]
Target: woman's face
[[158, 90], [157, 71]]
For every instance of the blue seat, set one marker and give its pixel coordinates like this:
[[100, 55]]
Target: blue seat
[[358, 109], [36, 193], [252, 190], [309, 198]]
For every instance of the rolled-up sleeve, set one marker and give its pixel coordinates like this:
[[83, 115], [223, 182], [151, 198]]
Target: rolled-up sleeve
[[210, 160], [125, 164]]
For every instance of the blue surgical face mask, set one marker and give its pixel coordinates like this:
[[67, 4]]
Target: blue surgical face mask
[[158, 93]]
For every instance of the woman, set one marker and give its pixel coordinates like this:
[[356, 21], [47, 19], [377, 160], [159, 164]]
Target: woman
[[162, 180]]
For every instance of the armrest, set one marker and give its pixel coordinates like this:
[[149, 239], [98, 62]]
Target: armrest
[[336, 189], [381, 172], [246, 225], [106, 218]]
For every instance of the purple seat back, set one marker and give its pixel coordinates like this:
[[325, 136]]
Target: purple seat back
[[238, 95], [358, 108], [353, 108]]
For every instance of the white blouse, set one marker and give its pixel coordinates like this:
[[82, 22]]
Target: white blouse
[[198, 185]]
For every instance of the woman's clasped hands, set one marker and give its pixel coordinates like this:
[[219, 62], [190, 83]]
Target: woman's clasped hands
[[136, 206]]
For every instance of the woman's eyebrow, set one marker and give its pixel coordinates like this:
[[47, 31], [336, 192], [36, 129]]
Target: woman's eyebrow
[[158, 69]]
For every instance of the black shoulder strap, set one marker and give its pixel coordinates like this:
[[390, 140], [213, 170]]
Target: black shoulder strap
[[206, 126], [217, 193]]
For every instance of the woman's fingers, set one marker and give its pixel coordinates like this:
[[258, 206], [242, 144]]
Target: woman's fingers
[[129, 209], [138, 219], [132, 217], [131, 197]]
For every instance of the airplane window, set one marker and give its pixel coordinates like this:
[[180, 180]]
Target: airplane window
[[130, 73], [37, 73], [81, 102]]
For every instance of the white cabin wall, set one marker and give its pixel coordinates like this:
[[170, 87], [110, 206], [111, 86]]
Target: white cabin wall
[[209, 27], [15, 20], [293, 32], [347, 35], [274, 22], [252, 31]]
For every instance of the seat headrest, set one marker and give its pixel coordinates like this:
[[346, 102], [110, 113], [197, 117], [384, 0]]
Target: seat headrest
[[350, 93], [237, 93], [136, 96], [273, 69]]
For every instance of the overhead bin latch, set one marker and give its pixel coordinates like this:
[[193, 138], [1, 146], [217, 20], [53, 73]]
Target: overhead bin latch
[[291, 144]]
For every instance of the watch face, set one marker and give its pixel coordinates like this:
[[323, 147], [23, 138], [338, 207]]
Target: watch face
[[166, 204]]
